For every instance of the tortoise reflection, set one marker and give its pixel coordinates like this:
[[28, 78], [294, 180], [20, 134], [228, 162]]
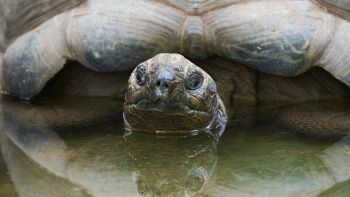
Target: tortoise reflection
[[171, 165]]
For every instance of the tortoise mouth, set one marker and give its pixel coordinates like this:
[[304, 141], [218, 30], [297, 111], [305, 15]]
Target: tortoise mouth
[[163, 106], [164, 116]]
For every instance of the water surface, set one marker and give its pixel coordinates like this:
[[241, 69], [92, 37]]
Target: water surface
[[77, 147]]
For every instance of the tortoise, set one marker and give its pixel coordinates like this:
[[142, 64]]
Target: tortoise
[[284, 38]]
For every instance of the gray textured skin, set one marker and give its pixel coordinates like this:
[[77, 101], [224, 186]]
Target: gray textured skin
[[279, 37], [321, 119]]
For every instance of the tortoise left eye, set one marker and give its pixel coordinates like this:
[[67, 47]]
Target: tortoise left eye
[[194, 81], [140, 75]]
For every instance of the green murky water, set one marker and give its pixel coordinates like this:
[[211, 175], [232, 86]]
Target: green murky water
[[78, 148]]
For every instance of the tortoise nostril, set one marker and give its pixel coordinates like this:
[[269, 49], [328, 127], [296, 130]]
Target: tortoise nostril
[[164, 80], [163, 83]]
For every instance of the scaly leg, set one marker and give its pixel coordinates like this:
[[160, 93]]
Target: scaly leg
[[33, 59]]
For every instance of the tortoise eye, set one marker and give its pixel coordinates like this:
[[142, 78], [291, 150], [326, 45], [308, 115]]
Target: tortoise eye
[[194, 81], [141, 74], [196, 179]]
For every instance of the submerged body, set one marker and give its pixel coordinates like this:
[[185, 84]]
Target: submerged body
[[169, 94]]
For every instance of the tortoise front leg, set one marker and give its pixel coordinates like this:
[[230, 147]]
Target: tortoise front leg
[[33, 59], [278, 37], [282, 38]]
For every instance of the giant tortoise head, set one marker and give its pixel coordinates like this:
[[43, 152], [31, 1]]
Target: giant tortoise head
[[168, 94]]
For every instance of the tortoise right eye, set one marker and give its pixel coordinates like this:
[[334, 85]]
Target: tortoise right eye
[[194, 81], [140, 75]]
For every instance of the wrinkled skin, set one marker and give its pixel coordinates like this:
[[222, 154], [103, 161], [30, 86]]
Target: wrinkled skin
[[169, 94], [323, 119]]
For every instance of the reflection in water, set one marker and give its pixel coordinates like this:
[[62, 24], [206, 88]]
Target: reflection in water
[[58, 155], [32, 180], [337, 159], [340, 189], [180, 166], [78, 148], [268, 162]]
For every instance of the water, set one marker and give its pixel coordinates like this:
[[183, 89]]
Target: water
[[77, 147]]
